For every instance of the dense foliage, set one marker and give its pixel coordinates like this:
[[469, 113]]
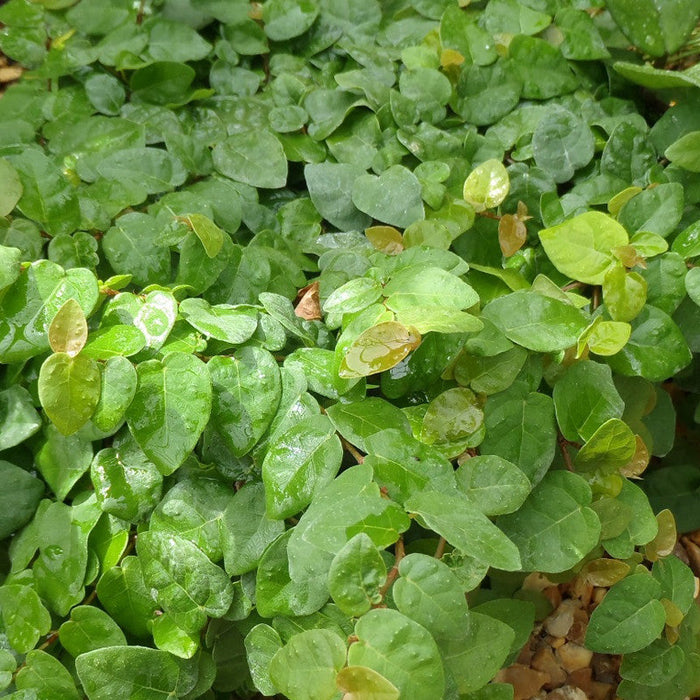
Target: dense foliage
[[317, 315]]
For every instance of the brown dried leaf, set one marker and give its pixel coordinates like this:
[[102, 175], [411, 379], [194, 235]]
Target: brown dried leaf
[[308, 303], [512, 234]]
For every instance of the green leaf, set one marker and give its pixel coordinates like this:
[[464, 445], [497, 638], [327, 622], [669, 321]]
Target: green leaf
[[393, 197], [350, 504], [642, 526], [246, 529], [189, 587], [455, 414], [487, 185], [692, 284], [117, 390], [608, 449], [119, 673], [625, 293], [261, 644], [544, 72], [114, 341], [581, 248], [358, 420], [123, 593], [490, 374], [653, 665], [24, 616], [277, 593], [69, 389], [585, 398], [521, 429], [629, 618], [404, 466], [330, 188], [62, 460], [427, 286], [677, 582], [170, 409], [362, 683], [68, 330], [356, 576], [10, 186], [232, 324], [285, 19], [561, 144], [378, 348], [47, 676], [247, 390], [656, 27], [298, 463], [19, 498], [555, 528], [152, 169], [209, 234], [430, 594], [453, 517], [87, 629], [656, 349], [47, 197], [18, 417], [258, 161], [306, 667], [10, 259], [492, 484], [535, 321], [400, 650], [132, 246], [685, 152], [194, 509]]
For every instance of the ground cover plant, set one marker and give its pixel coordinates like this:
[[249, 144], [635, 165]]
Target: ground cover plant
[[326, 325]]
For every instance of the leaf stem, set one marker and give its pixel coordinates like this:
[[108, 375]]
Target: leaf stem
[[564, 448], [359, 457], [393, 574], [440, 549]]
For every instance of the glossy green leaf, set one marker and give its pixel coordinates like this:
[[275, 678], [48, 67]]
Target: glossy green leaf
[[656, 349], [654, 664], [246, 529], [362, 683], [298, 463], [170, 409], [455, 414], [123, 593], [463, 526], [285, 19], [11, 187], [641, 527], [521, 429], [487, 185], [135, 671], [356, 421], [677, 583], [350, 504], [189, 586], [19, 499], [405, 466], [608, 449], [629, 618], [62, 460], [258, 161], [69, 390], [555, 528], [114, 341], [117, 390], [152, 169], [262, 643], [685, 152], [47, 676], [209, 234], [24, 616], [536, 322], [584, 398], [87, 629], [386, 639], [393, 197], [581, 248], [356, 576], [379, 348], [307, 665], [492, 484]]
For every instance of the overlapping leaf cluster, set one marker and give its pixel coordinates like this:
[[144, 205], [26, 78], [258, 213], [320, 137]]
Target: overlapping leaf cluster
[[317, 315]]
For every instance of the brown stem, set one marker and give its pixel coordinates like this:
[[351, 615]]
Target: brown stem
[[489, 215], [393, 574], [595, 303], [440, 549], [139, 16], [359, 457], [564, 448]]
